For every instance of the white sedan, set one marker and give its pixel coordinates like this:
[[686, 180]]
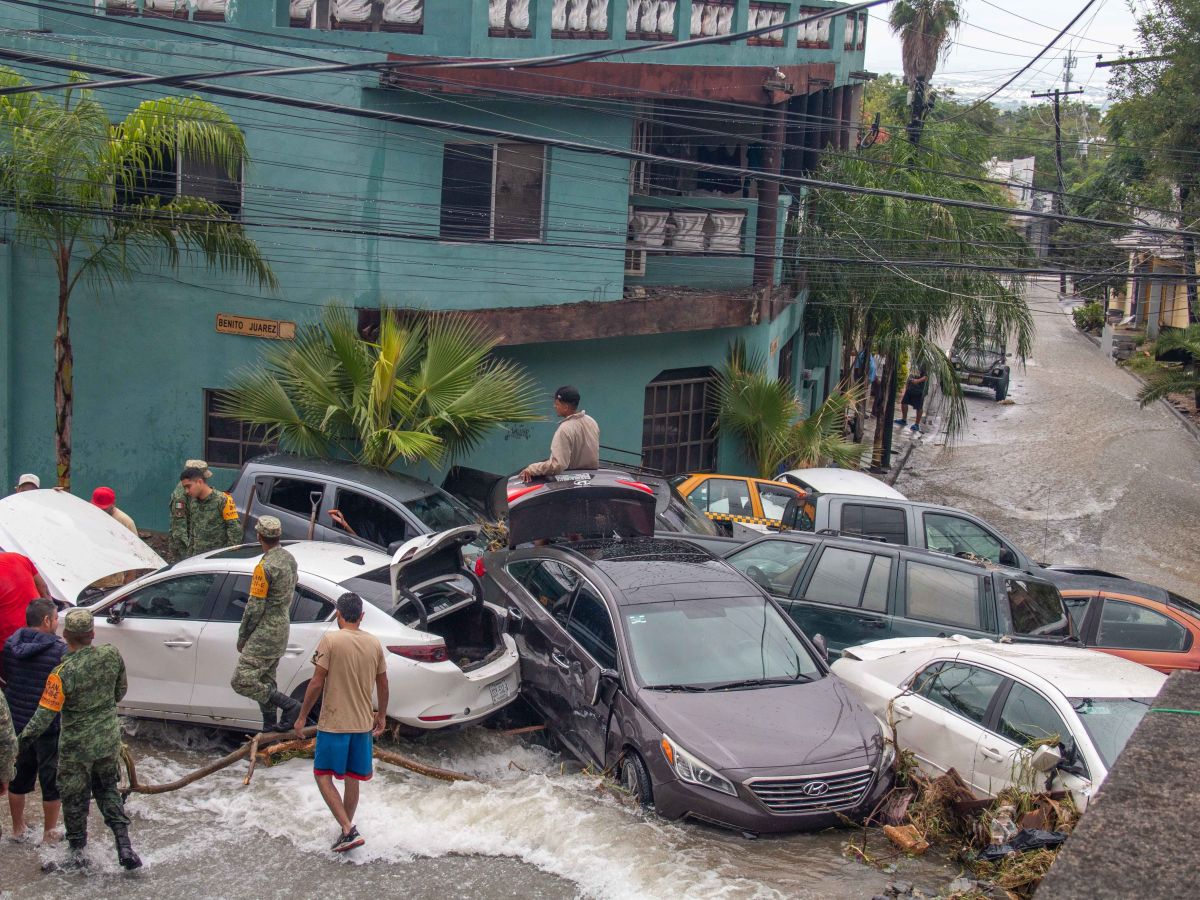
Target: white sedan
[[985, 709], [449, 660]]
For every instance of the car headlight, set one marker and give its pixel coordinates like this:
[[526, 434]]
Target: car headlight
[[688, 768], [998, 371], [889, 749]]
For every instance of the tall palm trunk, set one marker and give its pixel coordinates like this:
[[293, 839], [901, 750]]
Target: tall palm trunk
[[64, 375], [916, 121], [1189, 261]]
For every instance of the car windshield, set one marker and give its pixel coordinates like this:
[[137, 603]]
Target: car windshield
[[1037, 609], [714, 642], [1183, 603], [1109, 723], [439, 511], [683, 517]]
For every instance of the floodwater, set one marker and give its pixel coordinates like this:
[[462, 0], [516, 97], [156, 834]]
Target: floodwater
[[532, 828], [1074, 471]]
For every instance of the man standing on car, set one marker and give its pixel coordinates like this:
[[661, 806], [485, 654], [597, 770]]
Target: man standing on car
[[214, 519], [30, 655], [914, 396], [576, 443], [86, 687], [348, 663], [263, 635], [181, 514]]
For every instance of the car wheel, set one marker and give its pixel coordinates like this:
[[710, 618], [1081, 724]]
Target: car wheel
[[635, 778], [1002, 390]]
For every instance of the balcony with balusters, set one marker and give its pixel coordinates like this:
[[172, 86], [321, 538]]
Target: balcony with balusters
[[514, 28]]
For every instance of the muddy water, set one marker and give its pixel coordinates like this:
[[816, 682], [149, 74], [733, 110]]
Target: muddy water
[[534, 829]]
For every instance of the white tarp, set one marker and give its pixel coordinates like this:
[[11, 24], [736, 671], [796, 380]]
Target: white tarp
[[72, 543]]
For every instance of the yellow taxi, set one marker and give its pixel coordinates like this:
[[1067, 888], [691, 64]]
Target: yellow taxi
[[727, 499]]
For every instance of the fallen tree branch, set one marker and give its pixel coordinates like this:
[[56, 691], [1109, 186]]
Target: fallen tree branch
[[277, 743]]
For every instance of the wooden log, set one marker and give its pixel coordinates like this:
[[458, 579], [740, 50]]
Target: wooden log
[[906, 838], [397, 759], [528, 729], [253, 759]]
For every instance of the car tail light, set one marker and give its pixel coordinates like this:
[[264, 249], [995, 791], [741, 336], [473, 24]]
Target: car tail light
[[426, 653], [480, 568], [435, 718], [636, 484], [522, 491]]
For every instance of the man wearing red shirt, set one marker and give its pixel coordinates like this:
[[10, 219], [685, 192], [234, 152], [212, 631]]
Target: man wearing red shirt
[[19, 583]]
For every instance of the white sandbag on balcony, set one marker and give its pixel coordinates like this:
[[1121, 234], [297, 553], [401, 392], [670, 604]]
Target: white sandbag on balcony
[[403, 12], [648, 227], [598, 15], [689, 230], [351, 10], [725, 231], [300, 9]]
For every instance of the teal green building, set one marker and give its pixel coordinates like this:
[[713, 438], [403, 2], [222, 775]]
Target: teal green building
[[628, 278]]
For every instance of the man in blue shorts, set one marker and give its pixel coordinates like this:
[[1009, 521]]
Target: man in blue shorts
[[349, 663]]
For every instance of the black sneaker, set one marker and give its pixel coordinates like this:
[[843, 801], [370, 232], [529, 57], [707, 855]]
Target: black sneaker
[[348, 841]]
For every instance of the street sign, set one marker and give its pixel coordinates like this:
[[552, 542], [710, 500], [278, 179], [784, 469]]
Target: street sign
[[272, 329]]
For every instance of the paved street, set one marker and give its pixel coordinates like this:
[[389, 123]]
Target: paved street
[[1073, 470]]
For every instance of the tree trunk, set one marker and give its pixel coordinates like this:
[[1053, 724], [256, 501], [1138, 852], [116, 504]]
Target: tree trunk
[[916, 121], [883, 424], [64, 379]]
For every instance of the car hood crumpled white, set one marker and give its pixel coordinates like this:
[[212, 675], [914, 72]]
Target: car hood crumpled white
[[72, 543]]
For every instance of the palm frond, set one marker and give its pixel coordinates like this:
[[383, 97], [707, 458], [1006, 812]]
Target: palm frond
[[1171, 381]]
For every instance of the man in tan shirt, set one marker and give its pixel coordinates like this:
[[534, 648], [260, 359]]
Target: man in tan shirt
[[348, 663], [576, 443]]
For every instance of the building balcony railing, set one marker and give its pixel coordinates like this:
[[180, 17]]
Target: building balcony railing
[[499, 28]]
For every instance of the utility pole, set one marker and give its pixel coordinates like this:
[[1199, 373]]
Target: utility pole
[[1057, 94]]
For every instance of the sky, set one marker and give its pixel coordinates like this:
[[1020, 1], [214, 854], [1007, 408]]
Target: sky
[[994, 42]]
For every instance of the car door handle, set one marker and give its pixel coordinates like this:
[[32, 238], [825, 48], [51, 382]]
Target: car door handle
[[903, 710], [177, 643], [561, 661], [292, 650], [874, 623], [991, 753]]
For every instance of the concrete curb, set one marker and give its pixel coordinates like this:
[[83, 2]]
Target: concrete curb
[[899, 467]]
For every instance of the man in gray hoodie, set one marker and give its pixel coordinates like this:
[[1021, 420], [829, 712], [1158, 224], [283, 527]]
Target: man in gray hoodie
[[30, 654]]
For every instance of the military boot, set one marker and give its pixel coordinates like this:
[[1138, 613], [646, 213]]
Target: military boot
[[289, 709], [268, 716], [125, 855], [77, 853]]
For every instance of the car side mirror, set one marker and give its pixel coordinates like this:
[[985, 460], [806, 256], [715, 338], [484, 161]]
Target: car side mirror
[[116, 613], [393, 547], [1045, 758], [818, 641], [514, 621], [608, 682]]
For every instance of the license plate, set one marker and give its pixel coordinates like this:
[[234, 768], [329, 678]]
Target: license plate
[[499, 691], [975, 379]]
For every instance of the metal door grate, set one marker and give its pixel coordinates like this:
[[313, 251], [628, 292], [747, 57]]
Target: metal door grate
[[679, 427]]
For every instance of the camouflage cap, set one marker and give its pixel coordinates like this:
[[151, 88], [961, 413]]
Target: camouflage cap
[[78, 621], [269, 527], [198, 464]]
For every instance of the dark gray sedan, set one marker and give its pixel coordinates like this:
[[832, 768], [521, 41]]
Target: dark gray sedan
[[653, 658]]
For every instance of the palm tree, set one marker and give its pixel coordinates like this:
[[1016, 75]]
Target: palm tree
[[925, 28], [1182, 380], [78, 184], [426, 388], [764, 413]]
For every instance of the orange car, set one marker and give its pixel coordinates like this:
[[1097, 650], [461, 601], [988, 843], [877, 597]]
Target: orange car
[[1141, 622], [736, 498]]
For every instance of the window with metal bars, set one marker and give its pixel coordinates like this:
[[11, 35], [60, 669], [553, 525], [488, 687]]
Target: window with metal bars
[[229, 441], [679, 424]]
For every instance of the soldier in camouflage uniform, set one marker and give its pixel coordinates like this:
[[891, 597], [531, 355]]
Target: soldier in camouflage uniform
[[263, 635], [181, 514], [85, 688], [8, 746], [214, 521]]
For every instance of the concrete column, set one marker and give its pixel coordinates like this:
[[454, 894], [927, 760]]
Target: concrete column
[[812, 134], [767, 220], [1154, 309]]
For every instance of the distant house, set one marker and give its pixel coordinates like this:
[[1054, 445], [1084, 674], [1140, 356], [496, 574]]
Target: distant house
[[1153, 303], [1017, 177]]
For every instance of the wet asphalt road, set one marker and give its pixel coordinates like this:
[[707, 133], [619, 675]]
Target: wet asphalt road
[[1074, 471]]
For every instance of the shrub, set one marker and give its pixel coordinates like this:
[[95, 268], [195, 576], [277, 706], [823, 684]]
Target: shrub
[[1089, 317]]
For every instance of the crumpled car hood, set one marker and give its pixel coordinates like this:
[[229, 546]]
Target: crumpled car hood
[[71, 542], [815, 724]]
